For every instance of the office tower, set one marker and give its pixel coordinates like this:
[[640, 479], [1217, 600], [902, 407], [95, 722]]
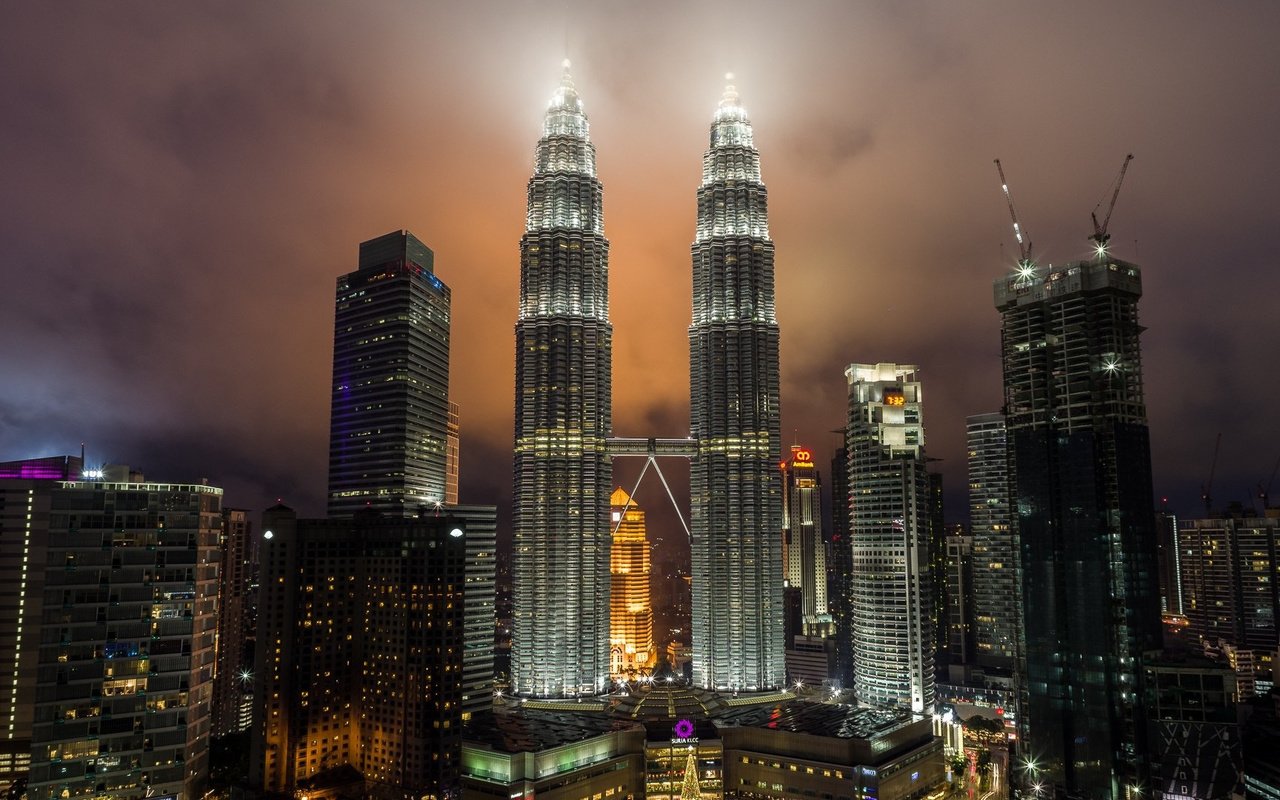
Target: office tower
[[564, 414], [631, 648], [1230, 570], [733, 370], [841, 572], [938, 569], [792, 614], [390, 414], [361, 663], [124, 676], [310, 612], [233, 664], [889, 521], [1077, 426], [1167, 559], [452, 455], [804, 546], [479, 605], [996, 596], [252, 582], [24, 537], [1194, 729], [959, 590]]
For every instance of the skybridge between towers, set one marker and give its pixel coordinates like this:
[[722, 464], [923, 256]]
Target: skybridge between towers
[[622, 447], [651, 450]]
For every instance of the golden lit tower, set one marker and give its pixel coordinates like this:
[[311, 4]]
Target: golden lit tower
[[630, 610]]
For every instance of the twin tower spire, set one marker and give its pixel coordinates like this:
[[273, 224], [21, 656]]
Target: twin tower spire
[[564, 419]]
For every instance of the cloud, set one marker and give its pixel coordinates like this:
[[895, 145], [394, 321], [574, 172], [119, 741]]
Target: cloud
[[183, 185], [828, 148]]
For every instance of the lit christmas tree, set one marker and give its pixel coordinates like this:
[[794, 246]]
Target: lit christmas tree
[[690, 789]]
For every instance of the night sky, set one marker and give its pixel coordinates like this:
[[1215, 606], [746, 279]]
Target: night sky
[[182, 183]]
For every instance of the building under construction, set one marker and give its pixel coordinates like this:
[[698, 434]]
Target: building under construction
[[1081, 457]]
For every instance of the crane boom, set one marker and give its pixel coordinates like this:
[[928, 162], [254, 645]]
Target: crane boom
[[1100, 234], [1024, 239]]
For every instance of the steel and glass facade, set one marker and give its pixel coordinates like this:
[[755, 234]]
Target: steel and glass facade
[[734, 400], [233, 672], [891, 590], [124, 682], [24, 541], [841, 572], [563, 415], [804, 542], [1077, 428], [996, 600], [390, 412]]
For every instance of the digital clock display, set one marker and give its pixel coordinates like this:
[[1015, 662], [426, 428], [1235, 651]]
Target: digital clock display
[[894, 397]]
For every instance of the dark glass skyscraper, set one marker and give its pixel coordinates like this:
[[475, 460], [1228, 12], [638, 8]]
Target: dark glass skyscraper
[[1077, 426], [564, 414], [733, 366], [232, 687], [841, 568], [390, 412]]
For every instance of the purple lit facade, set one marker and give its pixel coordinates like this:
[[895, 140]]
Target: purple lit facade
[[53, 468]]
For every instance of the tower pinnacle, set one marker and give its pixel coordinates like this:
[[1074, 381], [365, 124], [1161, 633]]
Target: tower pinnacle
[[566, 97], [730, 97]]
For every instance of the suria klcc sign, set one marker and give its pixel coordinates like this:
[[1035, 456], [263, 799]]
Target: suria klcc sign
[[682, 732]]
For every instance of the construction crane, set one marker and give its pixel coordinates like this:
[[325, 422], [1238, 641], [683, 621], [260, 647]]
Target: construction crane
[[1025, 265], [1265, 494], [1206, 489], [1100, 235]]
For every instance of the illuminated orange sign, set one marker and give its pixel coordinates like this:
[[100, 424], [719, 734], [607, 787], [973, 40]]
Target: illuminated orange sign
[[800, 457], [894, 397]]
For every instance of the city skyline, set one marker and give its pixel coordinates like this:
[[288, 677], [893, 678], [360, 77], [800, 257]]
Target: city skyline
[[830, 130]]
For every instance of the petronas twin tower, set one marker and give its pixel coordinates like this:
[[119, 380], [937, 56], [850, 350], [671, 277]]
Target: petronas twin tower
[[564, 415], [564, 420]]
